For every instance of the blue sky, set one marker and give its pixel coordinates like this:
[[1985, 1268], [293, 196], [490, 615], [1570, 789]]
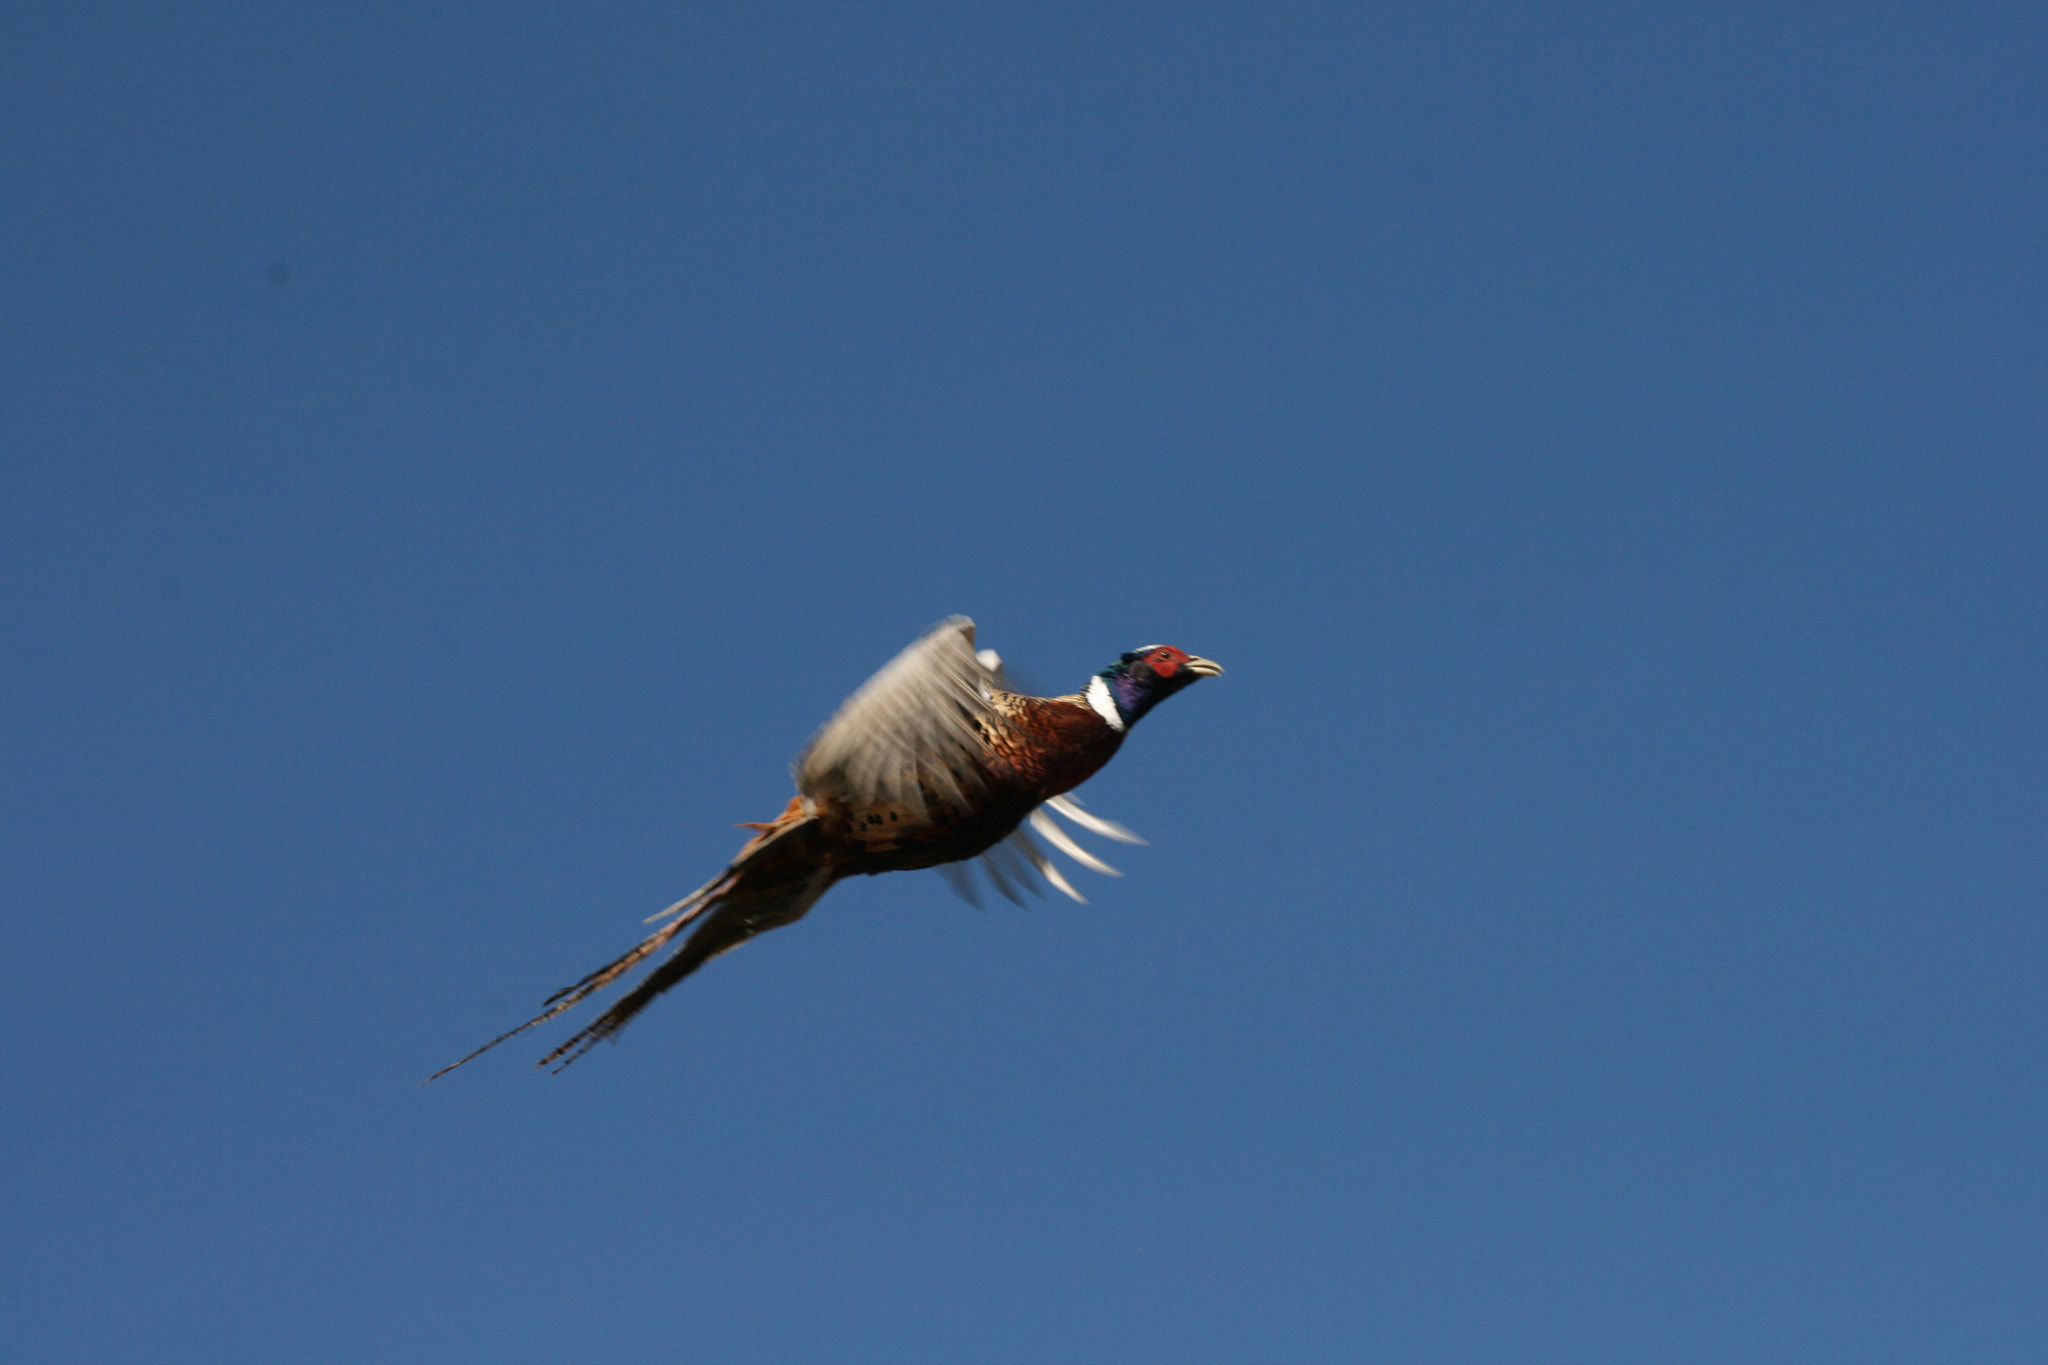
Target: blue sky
[[455, 458]]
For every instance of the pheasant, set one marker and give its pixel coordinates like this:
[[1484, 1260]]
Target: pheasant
[[932, 762]]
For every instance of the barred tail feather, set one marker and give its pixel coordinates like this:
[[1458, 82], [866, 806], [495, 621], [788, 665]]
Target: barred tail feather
[[775, 879], [739, 916], [571, 996]]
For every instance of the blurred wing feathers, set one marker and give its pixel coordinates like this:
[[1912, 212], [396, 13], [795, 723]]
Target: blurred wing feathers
[[1010, 865], [962, 881], [1050, 829], [915, 726], [1070, 806], [1044, 865]]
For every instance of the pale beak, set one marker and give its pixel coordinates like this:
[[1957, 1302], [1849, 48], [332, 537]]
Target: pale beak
[[1203, 668]]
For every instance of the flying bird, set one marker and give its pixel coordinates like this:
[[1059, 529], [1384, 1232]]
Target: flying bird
[[932, 762]]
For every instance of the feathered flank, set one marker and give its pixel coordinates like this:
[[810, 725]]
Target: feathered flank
[[934, 761]]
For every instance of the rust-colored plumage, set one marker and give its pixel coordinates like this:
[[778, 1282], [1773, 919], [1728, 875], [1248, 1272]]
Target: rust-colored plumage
[[932, 762]]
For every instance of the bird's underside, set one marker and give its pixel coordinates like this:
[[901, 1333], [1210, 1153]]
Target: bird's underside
[[932, 763]]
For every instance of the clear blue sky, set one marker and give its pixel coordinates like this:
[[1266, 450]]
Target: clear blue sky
[[455, 456]]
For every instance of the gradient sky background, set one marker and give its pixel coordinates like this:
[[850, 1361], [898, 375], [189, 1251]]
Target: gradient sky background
[[454, 458]]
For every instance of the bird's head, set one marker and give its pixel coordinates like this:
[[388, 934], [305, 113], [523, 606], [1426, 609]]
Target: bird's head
[[1143, 678]]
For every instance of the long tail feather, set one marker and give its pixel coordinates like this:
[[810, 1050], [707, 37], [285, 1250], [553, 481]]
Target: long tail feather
[[739, 916], [570, 996], [774, 880]]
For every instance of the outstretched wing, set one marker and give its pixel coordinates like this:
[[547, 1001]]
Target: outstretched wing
[[914, 727]]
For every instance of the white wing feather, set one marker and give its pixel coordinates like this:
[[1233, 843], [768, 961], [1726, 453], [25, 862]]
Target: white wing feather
[[1070, 806], [1050, 829], [1009, 863]]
